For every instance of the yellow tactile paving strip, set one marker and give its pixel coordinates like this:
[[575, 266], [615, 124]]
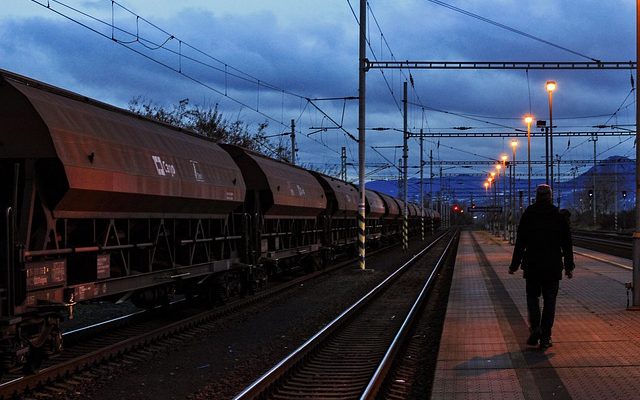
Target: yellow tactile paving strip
[[596, 353]]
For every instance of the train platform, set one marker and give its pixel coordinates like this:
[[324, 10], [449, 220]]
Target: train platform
[[483, 354]]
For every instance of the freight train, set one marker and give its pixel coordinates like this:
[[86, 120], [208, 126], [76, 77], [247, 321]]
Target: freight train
[[100, 203]]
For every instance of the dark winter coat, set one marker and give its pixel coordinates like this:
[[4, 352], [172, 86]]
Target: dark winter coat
[[543, 245]]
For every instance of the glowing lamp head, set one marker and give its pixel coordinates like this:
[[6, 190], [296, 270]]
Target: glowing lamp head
[[514, 143], [528, 119], [551, 86], [486, 185], [498, 166], [504, 158], [493, 175]]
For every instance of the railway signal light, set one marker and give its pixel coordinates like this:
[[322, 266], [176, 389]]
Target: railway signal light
[[590, 193], [456, 208], [624, 194]]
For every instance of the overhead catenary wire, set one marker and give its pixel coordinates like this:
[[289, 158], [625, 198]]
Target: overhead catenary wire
[[152, 46], [511, 29], [611, 116]]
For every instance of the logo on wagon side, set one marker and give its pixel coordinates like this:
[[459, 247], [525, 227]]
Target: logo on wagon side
[[162, 167], [196, 171]]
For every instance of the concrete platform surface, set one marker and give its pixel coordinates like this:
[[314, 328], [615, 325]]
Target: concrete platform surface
[[483, 354]]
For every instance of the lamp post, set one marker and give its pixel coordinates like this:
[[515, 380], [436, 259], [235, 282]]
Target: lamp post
[[558, 159], [551, 86], [492, 180], [528, 119], [486, 187], [514, 214], [504, 195]]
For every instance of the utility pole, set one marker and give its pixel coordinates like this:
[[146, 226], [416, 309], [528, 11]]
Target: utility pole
[[551, 139], [343, 164], [421, 185], [636, 234], [405, 187], [440, 202], [362, 83], [293, 142], [433, 225], [558, 184], [546, 152], [575, 173], [615, 197], [431, 179], [594, 139], [504, 200], [400, 180]]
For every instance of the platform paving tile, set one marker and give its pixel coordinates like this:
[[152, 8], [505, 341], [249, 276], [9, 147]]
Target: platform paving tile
[[476, 384], [602, 382], [596, 353]]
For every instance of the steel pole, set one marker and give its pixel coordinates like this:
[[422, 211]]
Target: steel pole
[[593, 175], [636, 233], [293, 141], [405, 186], [504, 200], [546, 154], [422, 185], [362, 83], [528, 164], [514, 220], [551, 138], [615, 197]]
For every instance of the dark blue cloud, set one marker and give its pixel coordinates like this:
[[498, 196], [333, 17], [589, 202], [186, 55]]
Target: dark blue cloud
[[320, 60]]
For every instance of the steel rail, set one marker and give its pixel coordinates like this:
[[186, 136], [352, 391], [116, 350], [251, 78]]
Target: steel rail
[[264, 382], [20, 384], [373, 387]]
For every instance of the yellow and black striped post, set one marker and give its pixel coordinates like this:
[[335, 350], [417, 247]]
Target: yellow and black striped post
[[361, 236], [405, 231]]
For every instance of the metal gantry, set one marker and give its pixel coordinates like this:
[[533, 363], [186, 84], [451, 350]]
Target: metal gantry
[[520, 133], [587, 65]]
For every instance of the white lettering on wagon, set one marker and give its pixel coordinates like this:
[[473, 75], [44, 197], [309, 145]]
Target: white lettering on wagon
[[162, 167], [196, 171]]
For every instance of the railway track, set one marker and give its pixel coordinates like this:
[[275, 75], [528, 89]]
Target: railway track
[[131, 338], [617, 245], [351, 356]]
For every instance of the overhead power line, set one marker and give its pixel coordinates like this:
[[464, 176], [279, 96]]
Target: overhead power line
[[510, 29], [225, 68]]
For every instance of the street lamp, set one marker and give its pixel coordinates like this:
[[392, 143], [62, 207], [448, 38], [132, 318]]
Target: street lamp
[[492, 182], [528, 119], [486, 188], [551, 86], [514, 214], [504, 195]]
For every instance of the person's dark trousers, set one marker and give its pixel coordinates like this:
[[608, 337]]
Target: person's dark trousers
[[549, 292]]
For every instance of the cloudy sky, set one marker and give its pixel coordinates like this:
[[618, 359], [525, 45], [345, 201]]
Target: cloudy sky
[[261, 59]]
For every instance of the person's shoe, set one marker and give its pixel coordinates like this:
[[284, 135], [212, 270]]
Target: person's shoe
[[545, 343], [533, 338]]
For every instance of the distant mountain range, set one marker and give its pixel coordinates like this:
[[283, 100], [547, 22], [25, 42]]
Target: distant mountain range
[[615, 174]]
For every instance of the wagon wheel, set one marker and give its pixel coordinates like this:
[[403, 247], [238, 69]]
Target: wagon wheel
[[54, 344], [33, 360]]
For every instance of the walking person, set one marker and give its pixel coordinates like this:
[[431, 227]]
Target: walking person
[[543, 249]]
